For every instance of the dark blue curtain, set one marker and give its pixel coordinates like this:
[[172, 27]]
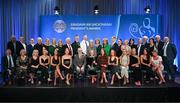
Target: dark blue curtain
[[21, 17]]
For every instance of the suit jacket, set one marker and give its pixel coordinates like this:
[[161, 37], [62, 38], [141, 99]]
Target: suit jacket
[[115, 47], [39, 48], [141, 50], [19, 46], [159, 47], [75, 45], [78, 61], [29, 49], [70, 50], [5, 62], [171, 52]]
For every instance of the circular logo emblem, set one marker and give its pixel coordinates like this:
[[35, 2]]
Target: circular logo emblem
[[134, 30], [59, 26]]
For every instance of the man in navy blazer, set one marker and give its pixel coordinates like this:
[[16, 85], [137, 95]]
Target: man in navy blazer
[[169, 54]]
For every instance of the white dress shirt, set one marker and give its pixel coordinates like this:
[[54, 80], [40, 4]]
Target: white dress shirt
[[165, 49], [9, 58], [84, 46]]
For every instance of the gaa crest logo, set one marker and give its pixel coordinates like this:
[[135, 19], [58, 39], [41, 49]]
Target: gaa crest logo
[[59, 26]]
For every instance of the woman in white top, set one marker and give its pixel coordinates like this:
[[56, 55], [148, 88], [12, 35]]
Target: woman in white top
[[157, 66], [124, 64]]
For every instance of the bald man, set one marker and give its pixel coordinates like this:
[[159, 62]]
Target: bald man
[[169, 54]]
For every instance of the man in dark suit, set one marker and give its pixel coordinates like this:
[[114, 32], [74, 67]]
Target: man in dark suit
[[68, 45], [159, 45], [22, 42], [140, 47], [114, 45], [169, 54], [145, 42], [15, 46], [75, 45], [30, 48], [8, 67], [39, 45]]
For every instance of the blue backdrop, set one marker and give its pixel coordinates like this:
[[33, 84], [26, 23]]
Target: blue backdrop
[[121, 26]]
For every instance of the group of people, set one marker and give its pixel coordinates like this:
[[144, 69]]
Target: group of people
[[48, 62]]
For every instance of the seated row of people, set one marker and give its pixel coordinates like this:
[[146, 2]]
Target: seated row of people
[[64, 66]]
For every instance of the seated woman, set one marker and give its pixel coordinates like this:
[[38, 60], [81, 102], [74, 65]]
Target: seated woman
[[44, 62], [34, 65], [102, 62], [113, 65], [146, 65], [135, 66], [66, 64], [124, 65], [91, 63], [157, 66], [22, 65], [55, 65]]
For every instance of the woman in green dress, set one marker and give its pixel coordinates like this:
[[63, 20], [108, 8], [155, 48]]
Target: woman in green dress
[[106, 46], [52, 47]]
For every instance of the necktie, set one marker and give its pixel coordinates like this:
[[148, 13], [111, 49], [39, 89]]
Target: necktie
[[86, 45], [9, 62]]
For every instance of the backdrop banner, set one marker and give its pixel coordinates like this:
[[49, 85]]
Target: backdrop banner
[[121, 26]]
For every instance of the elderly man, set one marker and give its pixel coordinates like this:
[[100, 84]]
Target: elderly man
[[15, 46], [169, 54], [145, 42], [159, 45], [39, 45], [80, 62], [140, 47], [75, 44], [84, 44], [8, 67], [68, 45]]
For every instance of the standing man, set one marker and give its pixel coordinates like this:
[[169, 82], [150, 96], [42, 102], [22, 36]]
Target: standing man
[[75, 45], [39, 45], [84, 44], [114, 45], [22, 42], [68, 45], [140, 47], [169, 54], [30, 47], [159, 45], [145, 42], [15, 46]]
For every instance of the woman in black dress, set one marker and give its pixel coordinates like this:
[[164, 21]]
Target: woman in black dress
[[34, 65], [120, 43], [44, 62], [55, 66], [146, 64], [131, 43], [91, 63], [98, 47], [135, 66], [66, 64], [151, 46], [113, 65]]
